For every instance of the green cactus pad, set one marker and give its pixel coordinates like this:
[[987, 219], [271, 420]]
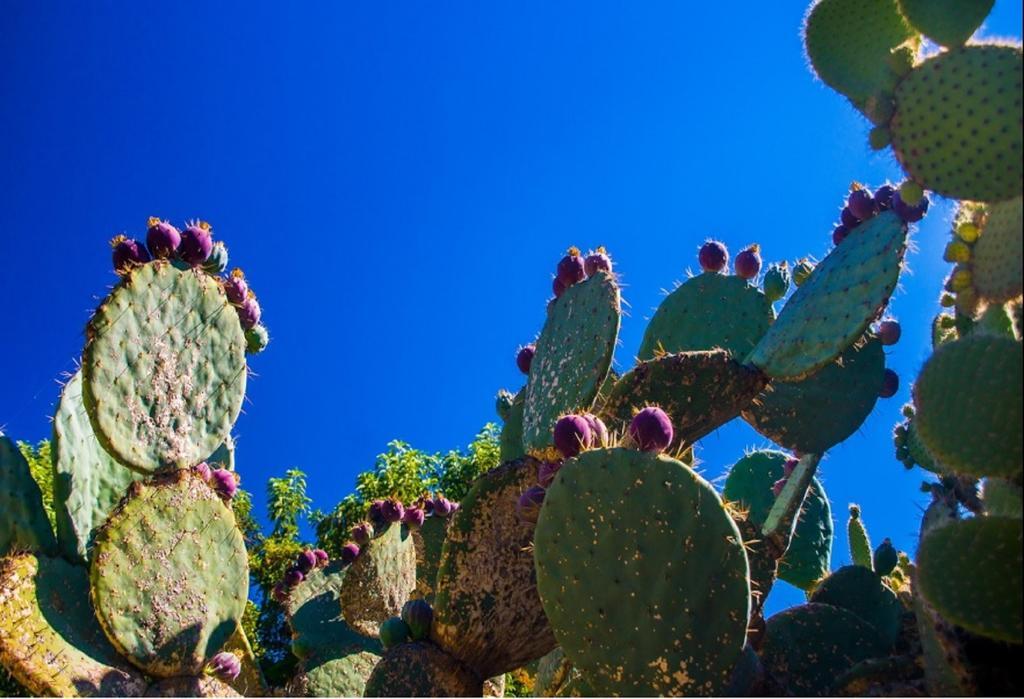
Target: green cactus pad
[[1002, 498], [429, 540], [709, 311], [197, 686], [87, 481], [945, 670], [849, 41], [861, 552], [970, 572], [574, 355], [170, 575], [335, 673], [968, 402], [23, 522], [164, 368], [49, 639], [643, 575], [421, 669], [380, 580], [749, 485], [813, 415], [999, 253], [948, 23], [834, 306], [487, 612], [511, 440], [862, 592], [956, 129], [806, 648], [893, 676], [700, 391]]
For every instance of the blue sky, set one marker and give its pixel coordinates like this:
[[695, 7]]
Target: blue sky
[[398, 183]]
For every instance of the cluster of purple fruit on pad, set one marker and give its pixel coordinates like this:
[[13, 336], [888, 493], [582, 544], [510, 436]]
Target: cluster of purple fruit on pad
[[862, 205], [223, 481], [305, 563], [576, 433], [713, 256], [225, 666], [574, 268]]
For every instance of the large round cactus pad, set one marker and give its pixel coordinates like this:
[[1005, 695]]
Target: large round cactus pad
[[643, 575], [834, 306], [380, 581], [813, 415], [164, 368], [49, 639], [87, 481], [807, 647], [849, 41], [706, 312], [968, 402], [700, 391], [487, 612], [957, 126], [170, 575], [999, 253], [429, 540], [421, 669], [341, 672], [946, 22], [23, 522], [970, 571], [574, 354], [197, 686], [862, 591]]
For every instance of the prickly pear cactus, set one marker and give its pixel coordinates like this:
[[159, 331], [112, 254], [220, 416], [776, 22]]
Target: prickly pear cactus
[[23, 523], [195, 686], [948, 23], [421, 669], [862, 591], [429, 540], [511, 441], [998, 254], [380, 580]]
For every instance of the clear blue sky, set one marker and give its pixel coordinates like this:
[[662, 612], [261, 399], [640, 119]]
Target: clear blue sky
[[398, 183]]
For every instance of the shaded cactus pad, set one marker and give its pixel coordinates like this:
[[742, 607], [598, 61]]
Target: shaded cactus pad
[[421, 669], [642, 574], [23, 522], [197, 686], [164, 368], [948, 23], [429, 540], [862, 591], [380, 580], [170, 575]]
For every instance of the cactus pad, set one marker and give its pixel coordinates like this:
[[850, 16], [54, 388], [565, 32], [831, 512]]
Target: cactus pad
[[956, 129], [862, 592], [970, 572], [948, 23], [824, 409], [807, 647], [421, 669], [700, 391], [197, 686], [170, 575], [87, 481], [1002, 498], [380, 580], [643, 575], [487, 612], [999, 253], [511, 441], [574, 355], [49, 639], [834, 306], [706, 312], [23, 522], [968, 402], [429, 540], [164, 368]]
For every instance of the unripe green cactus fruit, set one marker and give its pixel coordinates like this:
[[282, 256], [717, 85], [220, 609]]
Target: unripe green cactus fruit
[[857, 537], [421, 669], [164, 368], [380, 580], [999, 253], [671, 610], [170, 575], [861, 591], [23, 522], [956, 129], [948, 23]]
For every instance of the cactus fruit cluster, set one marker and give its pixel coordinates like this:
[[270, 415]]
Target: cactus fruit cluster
[[595, 553]]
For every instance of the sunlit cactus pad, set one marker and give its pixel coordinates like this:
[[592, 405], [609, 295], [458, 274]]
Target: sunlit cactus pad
[[170, 575], [642, 574], [421, 669], [946, 22], [23, 523], [49, 639], [999, 253], [87, 481], [164, 368], [835, 305], [380, 580]]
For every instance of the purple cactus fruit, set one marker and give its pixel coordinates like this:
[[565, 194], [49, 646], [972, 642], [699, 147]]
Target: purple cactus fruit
[[789, 467], [528, 507], [322, 558], [162, 238], [546, 473], [889, 332], [376, 511], [861, 204], [597, 260], [571, 268], [442, 506], [414, 517], [236, 288], [909, 214], [778, 485], [598, 430], [392, 510], [349, 553], [224, 482], [249, 312], [890, 384], [525, 358], [292, 577], [847, 218], [572, 435], [362, 533], [127, 253], [713, 256], [748, 262], [225, 666], [558, 287], [883, 196], [279, 593], [839, 234], [456, 506], [203, 471], [306, 561], [196, 243], [427, 505], [651, 429]]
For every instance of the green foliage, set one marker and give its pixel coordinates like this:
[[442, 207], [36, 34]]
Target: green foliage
[[41, 468]]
